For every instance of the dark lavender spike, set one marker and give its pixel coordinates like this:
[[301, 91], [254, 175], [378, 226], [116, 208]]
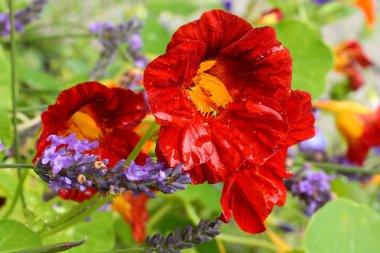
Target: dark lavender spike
[[177, 241]]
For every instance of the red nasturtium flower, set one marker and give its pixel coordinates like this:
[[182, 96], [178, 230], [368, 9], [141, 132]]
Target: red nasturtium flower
[[359, 125], [96, 112], [222, 95], [368, 8], [349, 59], [272, 16]]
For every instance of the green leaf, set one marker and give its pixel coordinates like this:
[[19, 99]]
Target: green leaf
[[178, 7], [350, 190], [155, 37], [99, 231], [312, 59], [15, 236], [343, 226], [206, 194]]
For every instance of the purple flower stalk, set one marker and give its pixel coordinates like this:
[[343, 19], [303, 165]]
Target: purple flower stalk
[[1, 146], [111, 37], [312, 188], [318, 143], [227, 4], [68, 163], [185, 239], [22, 17], [321, 1]]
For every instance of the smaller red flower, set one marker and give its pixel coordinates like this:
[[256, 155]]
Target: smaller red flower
[[349, 59], [359, 125], [271, 16]]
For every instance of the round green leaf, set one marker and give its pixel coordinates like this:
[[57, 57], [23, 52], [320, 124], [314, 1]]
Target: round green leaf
[[312, 59], [15, 236], [343, 226]]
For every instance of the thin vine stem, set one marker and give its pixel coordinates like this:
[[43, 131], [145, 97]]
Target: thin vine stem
[[76, 219], [72, 213], [18, 192], [14, 90], [136, 150], [341, 168], [16, 166]]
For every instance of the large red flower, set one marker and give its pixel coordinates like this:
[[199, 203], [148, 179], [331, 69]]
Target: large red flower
[[108, 115], [222, 95]]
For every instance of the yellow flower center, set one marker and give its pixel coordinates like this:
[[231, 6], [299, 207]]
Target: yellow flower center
[[208, 93], [84, 126]]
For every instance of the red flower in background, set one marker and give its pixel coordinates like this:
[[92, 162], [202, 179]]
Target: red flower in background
[[272, 16], [96, 112], [349, 59], [359, 125], [368, 7], [222, 95]]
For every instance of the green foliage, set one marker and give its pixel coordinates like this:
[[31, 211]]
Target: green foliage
[[312, 59], [6, 133], [15, 236], [5, 80], [206, 194], [179, 7], [343, 226], [99, 230], [155, 37], [350, 190]]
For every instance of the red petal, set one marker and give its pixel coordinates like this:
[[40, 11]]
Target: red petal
[[261, 122], [216, 28], [251, 194], [165, 79], [300, 118], [256, 64]]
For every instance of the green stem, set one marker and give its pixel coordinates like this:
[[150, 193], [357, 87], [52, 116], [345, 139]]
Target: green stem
[[191, 213], [32, 108], [138, 88], [76, 219], [158, 215], [124, 53], [72, 213], [247, 241], [126, 250], [52, 248], [16, 166], [338, 167], [136, 150], [18, 192]]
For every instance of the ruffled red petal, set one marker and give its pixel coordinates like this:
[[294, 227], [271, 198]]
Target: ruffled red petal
[[165, 79], [300, 118], [217, 29], [256, 65], [263, 124], [250, 195]]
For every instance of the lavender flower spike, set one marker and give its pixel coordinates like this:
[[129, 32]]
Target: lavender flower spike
[[22, 17], [68, 164], [313, 188], [185, 239], [1, 146]]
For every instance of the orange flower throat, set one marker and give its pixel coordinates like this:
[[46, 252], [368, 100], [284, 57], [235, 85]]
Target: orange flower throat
[[208, 93]]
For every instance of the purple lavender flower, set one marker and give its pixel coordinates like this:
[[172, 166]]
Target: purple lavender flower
[[111, 37], [312, 188], [22, 17], [317, 143], [1, 146], [67, 164], [322, 1], [227, 4]]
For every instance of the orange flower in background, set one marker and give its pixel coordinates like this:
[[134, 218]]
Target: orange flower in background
[[134, 211], [349, 59], [359, 125], [222, 95], [368, 8], [271, 16]]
